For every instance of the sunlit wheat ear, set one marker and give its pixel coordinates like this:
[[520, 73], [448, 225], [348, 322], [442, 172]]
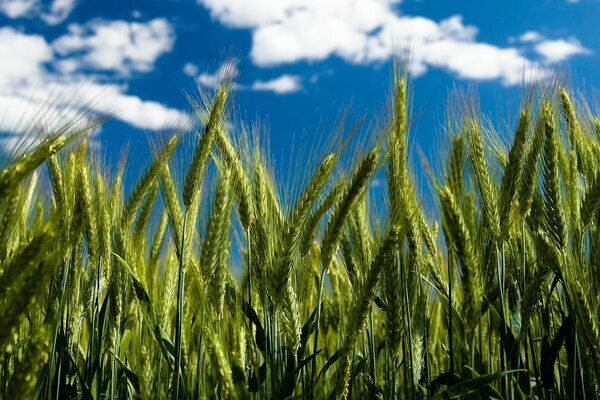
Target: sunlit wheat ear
[[87, 206], [172, 204], [201, 155], [527, 182], [57, 180], [298, 217], [577, 140], [221, 364], [146, 209], [359, 312], [591, 201], [159, 238], [552, 190], [461, 240], [213, 246], [396, 173], [242, 186], [456, 169], [510, 179], [310, 230], [487, 190]]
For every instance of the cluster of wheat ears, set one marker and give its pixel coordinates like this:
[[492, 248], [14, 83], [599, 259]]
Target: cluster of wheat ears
[[109, 293]]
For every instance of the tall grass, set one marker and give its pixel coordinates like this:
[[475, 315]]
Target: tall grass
[[223, 285]]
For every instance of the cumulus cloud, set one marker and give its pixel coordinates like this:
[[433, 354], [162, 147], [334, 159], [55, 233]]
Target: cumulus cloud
[[33, 92], [118, 46], [531, 36], [281, 85], [58, 11], [190, 69], [53, 13], [17, 8], [24, 57], [553, 50], [367, 31], [560, 49]]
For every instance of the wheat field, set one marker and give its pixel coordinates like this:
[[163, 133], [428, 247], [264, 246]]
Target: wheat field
[[212, 279]]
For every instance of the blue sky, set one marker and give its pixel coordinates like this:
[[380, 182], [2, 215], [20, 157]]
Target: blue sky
[[300, 62]]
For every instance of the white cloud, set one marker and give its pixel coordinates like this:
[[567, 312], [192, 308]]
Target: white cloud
[[17, 8], [58, 11], [553, 50], [190, 69], [531, 36], [560, 49], [24, 57], [281, 85], [117, 46], [368, 31], [34, 92], [53, 13]]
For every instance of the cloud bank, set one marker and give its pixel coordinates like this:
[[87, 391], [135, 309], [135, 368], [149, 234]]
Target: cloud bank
[[53, 12], [42, 83], [369, 31]]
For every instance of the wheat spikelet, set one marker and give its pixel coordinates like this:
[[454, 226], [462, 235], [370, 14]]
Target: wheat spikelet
[[144, 215], [9, 219], [484, 182], [552, 192], [382, 261], [576, 137], [199, 161], [16, 171], [397, 175], [212, 248], [221, 365], [509, 188], [456, 174], [159, 236], [56, 179], [241, 183], [591, 201], [460, 239], [87, 207], [297, 219], [527, 180], [171, 200], [392, 295], [308, 235]]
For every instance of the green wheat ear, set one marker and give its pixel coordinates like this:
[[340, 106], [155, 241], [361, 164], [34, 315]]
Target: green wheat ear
[[555, 218], [460, 239], [487, 190]]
